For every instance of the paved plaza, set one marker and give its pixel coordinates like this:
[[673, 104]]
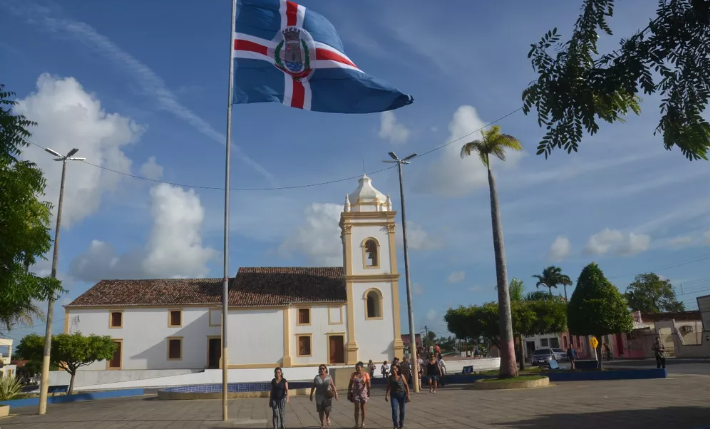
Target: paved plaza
[[678, 402]]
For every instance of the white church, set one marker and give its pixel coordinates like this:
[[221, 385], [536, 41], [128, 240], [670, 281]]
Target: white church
[[284, 316]]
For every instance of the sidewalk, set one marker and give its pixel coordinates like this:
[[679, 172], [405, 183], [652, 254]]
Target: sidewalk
[[678, 402]]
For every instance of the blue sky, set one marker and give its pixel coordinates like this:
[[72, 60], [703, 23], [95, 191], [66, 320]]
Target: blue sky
[[140, 88]]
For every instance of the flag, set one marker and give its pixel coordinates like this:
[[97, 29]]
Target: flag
[[287, 54]]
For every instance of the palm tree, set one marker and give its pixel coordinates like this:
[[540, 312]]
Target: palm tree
[[493, 143], [551, 277]]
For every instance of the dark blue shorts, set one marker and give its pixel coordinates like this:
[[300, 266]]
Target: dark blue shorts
[[433, 378]]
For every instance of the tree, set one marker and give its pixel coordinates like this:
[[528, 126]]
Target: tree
[[649, 294], [528, 317], [537, 295], [551, 277], [597, 307], [494, 143], [24, 222], [576, 85], [69, 351]]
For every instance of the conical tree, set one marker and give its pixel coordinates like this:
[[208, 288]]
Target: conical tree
[[597, 307], [494, 144]]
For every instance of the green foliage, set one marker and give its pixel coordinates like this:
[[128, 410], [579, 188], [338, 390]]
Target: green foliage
[[529, 318], [597, 307], [576, 86], [24, 222], [649, 294], [69, 351], [492, 143], [9, 388], [537, 295], [551, 277]]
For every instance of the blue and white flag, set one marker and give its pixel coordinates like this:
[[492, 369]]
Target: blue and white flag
[[284, 53]]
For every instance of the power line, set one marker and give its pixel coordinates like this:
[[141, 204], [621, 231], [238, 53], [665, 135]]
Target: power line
[[308, 185], [679, 264]]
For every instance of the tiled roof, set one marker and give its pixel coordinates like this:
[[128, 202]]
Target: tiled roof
[[253, 287]]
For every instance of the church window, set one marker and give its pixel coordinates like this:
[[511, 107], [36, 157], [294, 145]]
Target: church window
[[304, 344], [115, 319], [373, 304], [175, 348], [304, 316], [370, 253]]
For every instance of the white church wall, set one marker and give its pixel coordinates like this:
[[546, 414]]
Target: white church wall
[[255, 336], [374, 337], [323, 322], [144, 334], [359, 234]]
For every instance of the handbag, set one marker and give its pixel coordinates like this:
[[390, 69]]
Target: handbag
[[329, 393]]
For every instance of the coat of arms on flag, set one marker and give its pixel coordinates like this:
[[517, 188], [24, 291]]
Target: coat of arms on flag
[[284, 53]]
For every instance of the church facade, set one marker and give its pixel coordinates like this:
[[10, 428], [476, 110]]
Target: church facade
[[278, 316]]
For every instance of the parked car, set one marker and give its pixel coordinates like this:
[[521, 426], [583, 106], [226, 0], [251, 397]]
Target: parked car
[[543, 357], [560, 355]]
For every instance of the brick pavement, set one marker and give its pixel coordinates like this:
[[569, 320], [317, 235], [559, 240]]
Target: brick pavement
[[679, 402]]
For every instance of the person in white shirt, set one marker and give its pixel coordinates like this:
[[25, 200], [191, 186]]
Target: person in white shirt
[[442, 368], [385, 369]]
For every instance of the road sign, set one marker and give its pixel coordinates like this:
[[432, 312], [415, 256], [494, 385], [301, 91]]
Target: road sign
[[594, 342]]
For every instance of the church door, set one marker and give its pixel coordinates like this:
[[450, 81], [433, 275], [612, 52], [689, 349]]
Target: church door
[[336, 345], [214, 352]]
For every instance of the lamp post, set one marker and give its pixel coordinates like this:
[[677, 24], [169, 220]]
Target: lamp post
[[412, 334], [55, 259]]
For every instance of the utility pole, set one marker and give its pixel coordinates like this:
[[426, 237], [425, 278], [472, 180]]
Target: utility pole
[[44, 385], [412, 334]]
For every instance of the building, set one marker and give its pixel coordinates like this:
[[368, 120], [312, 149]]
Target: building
[[7, 369], [284, 316]]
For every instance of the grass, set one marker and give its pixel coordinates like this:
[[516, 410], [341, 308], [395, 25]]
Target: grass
[[531, 377], [526, 371]]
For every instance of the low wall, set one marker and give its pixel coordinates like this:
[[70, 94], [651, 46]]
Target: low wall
[[92, 378], [479, 365], [631, 374], [33, 402], [212, 376]]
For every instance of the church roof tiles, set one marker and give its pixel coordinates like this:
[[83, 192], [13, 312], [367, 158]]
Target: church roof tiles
[[252, 287]]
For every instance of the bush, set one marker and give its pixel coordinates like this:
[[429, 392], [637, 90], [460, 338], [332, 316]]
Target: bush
[[9, 388]]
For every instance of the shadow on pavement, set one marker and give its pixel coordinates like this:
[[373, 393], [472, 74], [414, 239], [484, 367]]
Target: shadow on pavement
[[669, 417]]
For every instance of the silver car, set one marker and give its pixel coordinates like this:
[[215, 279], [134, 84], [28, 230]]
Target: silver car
[[542, 357], [560, 355]]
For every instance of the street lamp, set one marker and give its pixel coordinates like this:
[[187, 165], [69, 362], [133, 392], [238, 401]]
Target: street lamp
[[50, 310], [412, 334]]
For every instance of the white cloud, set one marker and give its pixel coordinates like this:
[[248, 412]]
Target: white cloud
[[456, 277], [450, 175], [476, 289], [614, 241], [560, 248], [418, 238], [174, 248], [391, 130], [69, 117], [318, 238], [151, 169], [417, 289], [680, 241], [150, 82], [431, 315], [706, 237]]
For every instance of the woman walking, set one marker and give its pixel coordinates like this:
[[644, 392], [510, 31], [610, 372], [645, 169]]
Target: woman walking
[[398, 389], [278, 398], [325, 392], [433, 372], [371, 367], [358, 393]]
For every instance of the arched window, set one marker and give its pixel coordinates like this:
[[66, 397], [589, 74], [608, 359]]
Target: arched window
[[373, 304], [370, 253]]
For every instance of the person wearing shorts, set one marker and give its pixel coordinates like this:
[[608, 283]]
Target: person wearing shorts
[[433, 373], [359, 392]]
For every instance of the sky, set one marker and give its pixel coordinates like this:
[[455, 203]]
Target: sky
[[140, 89]]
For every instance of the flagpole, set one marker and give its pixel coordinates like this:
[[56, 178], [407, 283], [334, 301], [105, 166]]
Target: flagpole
[[225, 280]]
